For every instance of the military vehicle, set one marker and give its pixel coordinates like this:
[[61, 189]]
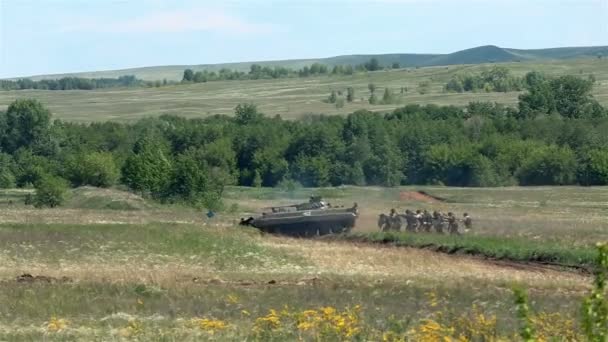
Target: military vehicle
[[305, 219]]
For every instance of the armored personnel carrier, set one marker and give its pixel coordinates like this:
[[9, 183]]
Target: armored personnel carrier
[[305, 219]]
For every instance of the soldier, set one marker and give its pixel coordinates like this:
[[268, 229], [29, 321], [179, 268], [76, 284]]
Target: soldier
[[427, 221], [452, 224], [393, 213], [419, 220], [468, 221], [411, 221], [438, 222], [395, 222]]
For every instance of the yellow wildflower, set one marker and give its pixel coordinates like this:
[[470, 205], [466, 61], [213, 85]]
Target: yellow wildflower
[[56, 324], [232, 299]]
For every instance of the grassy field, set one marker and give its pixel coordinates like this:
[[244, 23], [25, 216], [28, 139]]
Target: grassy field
[[112, 266], [291, 98]]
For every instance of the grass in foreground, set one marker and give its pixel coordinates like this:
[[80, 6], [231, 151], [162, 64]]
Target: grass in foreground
[[512, 249]]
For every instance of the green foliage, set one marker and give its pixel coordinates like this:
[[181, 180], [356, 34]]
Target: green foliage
[[388, 97], [26, 124], [570, 96], [371, 87], [247, 113], [483, 144], [548, 165], [372, 99], [148, 169], [70, 83], [372, 65], [497, 79], [50, 192], [195, 182], [596, 170], [350, 94], [332, 97], [96, 169], [188, 75], [526, 329], [312, 171], [7, 179], [595, 306]]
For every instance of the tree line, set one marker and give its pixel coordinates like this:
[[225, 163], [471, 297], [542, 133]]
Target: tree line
[[77, 83], [496, 79], [555, 136], [257, 71]]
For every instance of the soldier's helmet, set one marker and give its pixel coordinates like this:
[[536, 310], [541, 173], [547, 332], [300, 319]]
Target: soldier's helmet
[[450, 214], [418, 211], [393, 211], [465, 214]]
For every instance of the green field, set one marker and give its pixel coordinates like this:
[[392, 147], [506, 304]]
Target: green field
[[112, 266], [292, 97]]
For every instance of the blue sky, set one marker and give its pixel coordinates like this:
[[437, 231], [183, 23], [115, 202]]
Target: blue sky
[[57, 36]]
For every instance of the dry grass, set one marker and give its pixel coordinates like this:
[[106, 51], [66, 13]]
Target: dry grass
[[378, 263], [291, 98], [180, 271]]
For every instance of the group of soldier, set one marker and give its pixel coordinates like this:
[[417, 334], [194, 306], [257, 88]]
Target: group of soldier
[[424, 221]]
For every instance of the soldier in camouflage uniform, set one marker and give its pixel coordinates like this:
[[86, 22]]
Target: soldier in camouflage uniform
[[427, 221], [438, 222], [411, 221], [467, 220], [419, 220], [452, 224], [395, 222]]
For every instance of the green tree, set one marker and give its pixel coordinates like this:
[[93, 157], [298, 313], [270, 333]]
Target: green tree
[[199, 77], [312, 171], [373, 65], [371, 87], [50, 192], [372, 99], [148, 169], [247, 113], [388, 97], [332, 97], [26, 124], [595, 168], [550, 165], [350, 94], [194, 182], [188, 75], [396, 65], [96, 169]]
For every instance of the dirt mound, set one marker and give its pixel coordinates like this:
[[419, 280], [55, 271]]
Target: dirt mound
[[420, 196], [30, 279], [88, 197]]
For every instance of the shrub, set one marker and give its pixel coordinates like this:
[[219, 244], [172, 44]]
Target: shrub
[[96, 169], [50, 192]]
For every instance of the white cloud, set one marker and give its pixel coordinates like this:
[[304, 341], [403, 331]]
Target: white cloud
[[174, 22]]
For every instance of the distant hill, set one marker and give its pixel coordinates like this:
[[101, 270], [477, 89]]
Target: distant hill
[[477, 55]]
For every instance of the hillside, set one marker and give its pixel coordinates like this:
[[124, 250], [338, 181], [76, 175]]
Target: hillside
[[293, 97], [477, 55]]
